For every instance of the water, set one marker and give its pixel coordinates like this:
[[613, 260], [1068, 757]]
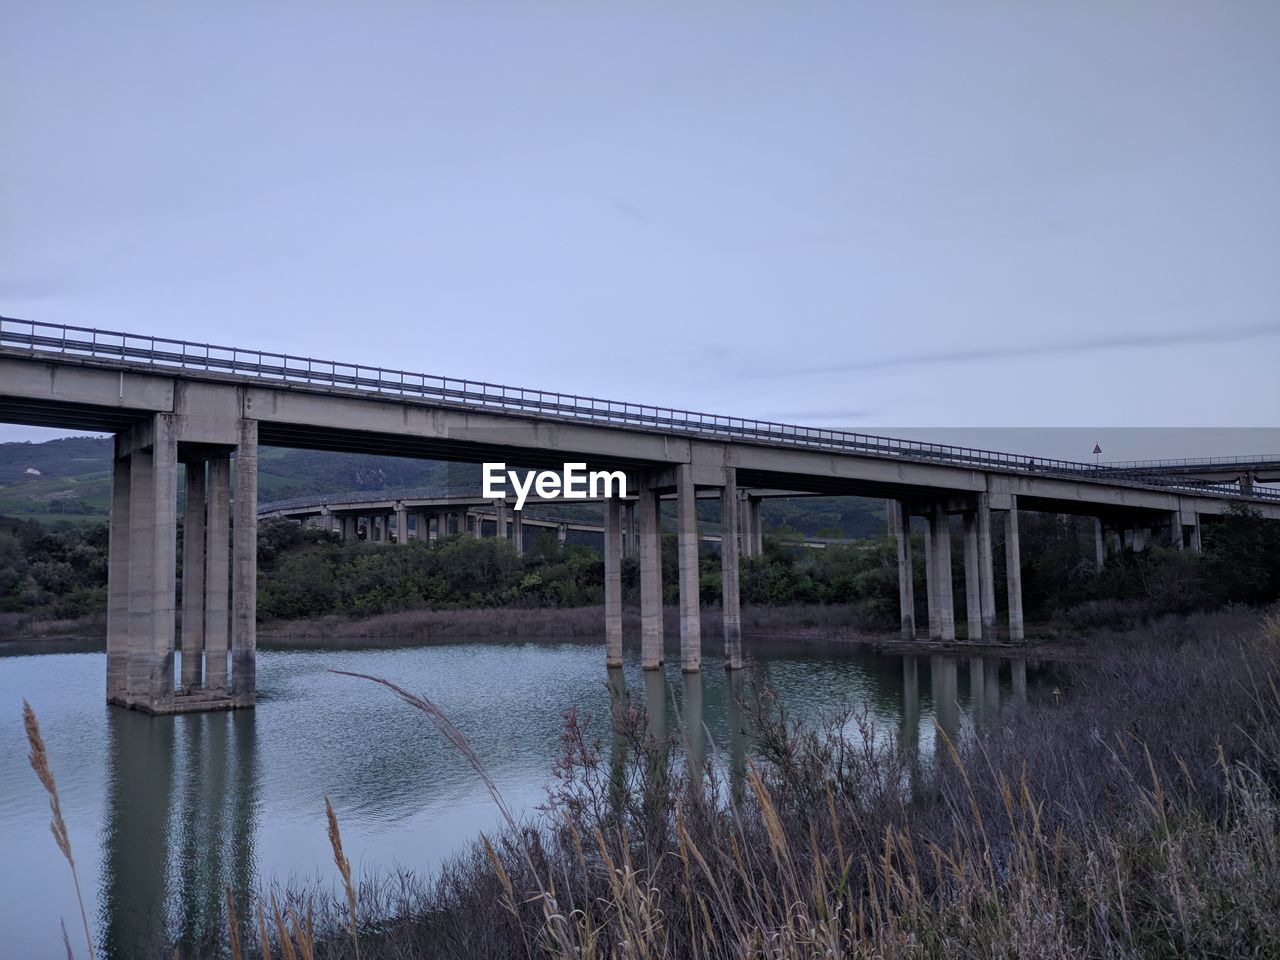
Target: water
[[165, 812]]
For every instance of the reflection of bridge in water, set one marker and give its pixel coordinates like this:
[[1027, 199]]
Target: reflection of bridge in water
[[187, 795]]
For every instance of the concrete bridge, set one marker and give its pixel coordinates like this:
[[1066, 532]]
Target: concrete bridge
[[208, 407], [399, 517], [1246, 471]]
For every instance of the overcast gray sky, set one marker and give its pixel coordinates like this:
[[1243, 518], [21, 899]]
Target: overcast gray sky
[[870, 215]]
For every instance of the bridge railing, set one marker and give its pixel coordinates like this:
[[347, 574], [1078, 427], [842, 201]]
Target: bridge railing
[[168, 353]]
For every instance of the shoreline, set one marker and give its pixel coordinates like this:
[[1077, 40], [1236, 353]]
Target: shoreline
[[815, 628]]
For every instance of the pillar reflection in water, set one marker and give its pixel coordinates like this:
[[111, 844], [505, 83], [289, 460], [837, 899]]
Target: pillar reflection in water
[[655, 698], [991, 667], [181, 818], [977, 690], [909, 732], [1019, 670], [737, 738], [946, 708], [695, 735], [619, 708]]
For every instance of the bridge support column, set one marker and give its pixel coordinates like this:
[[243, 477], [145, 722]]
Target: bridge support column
[[1195, 536], [687, 539], [942, 622], [650, 580], [1175, 529], [478, 522], [1099, 545], [153, 532], [118, 568], [1013, 571], [730, 596], [217, 572], [349, 531], [244, 561], [986, 568], [562, 534], [500, 519], [517, 532], [757, 527], [612, 583], [906, 582], [930, 580], [629, 529], [402, 525], [193, 560], [972, 577], [442, 524]]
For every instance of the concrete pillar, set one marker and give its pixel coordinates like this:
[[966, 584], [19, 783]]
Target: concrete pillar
[[1175, 529], [757, 527], [730, 594], [165, 575], [906, 582], [1013, 571], [402, 525], [562, 534], [1195, 535], [972, 578], [500, 519], [1246, 484], [118, 582], [153, 547], [940, 525], [517, 532], [650, 580], [612, 583], [244, 560], [217, 572], [442, 524], [478, 522], [1139, 539], [986, 568], [1099, 545], [744, 524], [687, 540], [193, 578], [630, 531], [891, 515], [931, 580]]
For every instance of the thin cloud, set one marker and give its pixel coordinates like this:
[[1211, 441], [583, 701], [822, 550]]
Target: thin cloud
[[1122, 341]]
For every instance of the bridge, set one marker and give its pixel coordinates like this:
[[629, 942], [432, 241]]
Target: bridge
[[1244, 470], [403, 516], [208, 407]]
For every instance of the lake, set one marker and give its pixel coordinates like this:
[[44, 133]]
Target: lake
[[165, 812]]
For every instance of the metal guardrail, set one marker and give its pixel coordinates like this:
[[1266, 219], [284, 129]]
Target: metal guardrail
[[170, 354], [1197, 463]]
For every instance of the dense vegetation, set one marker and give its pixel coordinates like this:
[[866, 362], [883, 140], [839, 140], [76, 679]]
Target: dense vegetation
[[61, 572]]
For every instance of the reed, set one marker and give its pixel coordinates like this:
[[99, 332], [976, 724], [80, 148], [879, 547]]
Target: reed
[[39, 758]]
